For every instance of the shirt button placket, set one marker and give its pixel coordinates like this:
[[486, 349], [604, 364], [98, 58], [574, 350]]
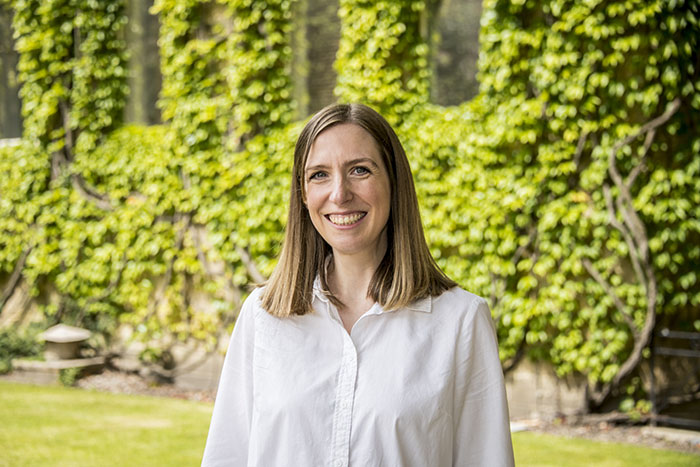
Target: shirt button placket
[[342, 413]]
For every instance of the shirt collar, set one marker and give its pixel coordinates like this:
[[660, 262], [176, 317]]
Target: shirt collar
[[424, 305]]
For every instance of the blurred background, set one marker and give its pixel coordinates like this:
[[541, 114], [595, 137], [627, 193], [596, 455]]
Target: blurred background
[[146, 152]]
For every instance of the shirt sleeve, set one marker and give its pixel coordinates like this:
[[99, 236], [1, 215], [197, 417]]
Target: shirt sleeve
[[229, 432], [482, 425]]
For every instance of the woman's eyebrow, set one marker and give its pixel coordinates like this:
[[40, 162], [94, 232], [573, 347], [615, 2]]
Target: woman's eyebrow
[[362, 160], [359, 160]]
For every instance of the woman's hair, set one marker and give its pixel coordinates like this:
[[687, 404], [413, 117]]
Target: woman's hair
[[406, 273]]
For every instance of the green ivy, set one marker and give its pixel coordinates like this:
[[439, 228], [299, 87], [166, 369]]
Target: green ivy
[[562, 84], [72, 69], [383, 56], [519, 188]]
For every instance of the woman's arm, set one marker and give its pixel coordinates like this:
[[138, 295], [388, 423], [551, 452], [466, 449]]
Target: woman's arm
[[482, 425], [229, 433]]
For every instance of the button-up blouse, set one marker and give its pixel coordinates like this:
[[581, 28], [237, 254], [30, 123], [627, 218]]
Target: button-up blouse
[[419, 386]]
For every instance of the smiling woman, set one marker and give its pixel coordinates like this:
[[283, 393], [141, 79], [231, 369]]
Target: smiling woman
[[359, 350]]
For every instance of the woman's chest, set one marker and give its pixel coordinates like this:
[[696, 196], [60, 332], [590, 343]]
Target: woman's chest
[[391, 367]]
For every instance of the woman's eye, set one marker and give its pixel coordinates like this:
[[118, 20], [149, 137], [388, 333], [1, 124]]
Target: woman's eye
[[360, 170], [317, 175]]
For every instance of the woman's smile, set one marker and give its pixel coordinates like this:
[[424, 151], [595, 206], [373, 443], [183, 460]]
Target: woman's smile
[[346, 219]]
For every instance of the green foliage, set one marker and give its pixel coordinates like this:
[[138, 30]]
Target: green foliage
[[72, 69], [73, 90], [383, 54], [516, 186], [635, 409], [562, 82], [68, 376], [158, 214], [530, 156], [260, 68], [17, 343]]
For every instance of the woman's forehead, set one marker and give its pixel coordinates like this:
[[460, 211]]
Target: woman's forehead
[[342, 142]]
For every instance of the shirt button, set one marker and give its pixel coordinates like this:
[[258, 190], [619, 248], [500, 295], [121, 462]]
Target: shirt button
[[339, 463]]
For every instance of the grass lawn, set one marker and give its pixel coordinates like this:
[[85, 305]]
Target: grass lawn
[[57, 426], [540, 450]]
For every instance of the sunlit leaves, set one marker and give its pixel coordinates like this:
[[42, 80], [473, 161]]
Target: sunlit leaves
[[510, 184]]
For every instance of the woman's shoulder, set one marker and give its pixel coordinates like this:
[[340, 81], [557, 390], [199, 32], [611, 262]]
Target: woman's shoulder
[[457, 295], [253, 302], [256, 294], [460, 303], [254, 298]]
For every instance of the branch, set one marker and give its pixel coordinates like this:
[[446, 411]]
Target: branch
[[90, 194], [639, 167], [649, 126], [633, 247], [233, 292], [513, 362], [65, 116], [639, 247], [112, 285], [14, 278], [641, 342], [58, 160], [250, 265], [633, 220], [179, 239], [611, 293], [499, 282], [579, 147], [643, 338]]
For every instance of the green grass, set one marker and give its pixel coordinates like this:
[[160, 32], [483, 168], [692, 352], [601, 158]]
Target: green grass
[[540, 450], [57, 426]]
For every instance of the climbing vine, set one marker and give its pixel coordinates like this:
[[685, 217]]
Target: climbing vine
[[73, 74], [578, 168], [566, 192], [383, 57]]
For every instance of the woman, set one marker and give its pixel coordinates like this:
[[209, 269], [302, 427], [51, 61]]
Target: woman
[[359, 350]]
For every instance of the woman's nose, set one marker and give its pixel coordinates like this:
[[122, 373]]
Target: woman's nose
[[341, 191]]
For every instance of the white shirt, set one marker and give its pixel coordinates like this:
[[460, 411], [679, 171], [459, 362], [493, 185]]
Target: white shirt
[[420, 386]]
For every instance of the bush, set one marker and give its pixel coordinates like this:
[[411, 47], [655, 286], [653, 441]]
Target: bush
[[18, 343]]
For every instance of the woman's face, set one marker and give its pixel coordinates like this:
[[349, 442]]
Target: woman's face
[[347, 189]]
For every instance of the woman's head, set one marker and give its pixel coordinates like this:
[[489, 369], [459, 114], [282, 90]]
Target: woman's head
[[346, 191], [403, 205], [407, 271]]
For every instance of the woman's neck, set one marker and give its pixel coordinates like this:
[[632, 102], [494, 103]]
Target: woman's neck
[[349, 275], [348, 279]]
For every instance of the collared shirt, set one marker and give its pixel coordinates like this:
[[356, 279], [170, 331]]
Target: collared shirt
[[420, 386]]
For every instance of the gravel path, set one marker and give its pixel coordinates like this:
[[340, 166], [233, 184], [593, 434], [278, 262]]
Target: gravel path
[[129, 383]]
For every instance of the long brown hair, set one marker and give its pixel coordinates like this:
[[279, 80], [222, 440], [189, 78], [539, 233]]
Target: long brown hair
[[406, 273]]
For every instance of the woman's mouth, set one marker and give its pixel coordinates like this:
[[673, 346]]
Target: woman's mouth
[[345, 219]]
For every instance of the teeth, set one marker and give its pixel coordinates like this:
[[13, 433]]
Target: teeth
[[345, 219]]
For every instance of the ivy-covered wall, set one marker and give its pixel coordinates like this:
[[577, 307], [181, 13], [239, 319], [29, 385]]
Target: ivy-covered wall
[[567, 191]]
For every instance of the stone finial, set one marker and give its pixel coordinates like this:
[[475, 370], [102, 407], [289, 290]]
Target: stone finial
[[63, 333], [62, 341]]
